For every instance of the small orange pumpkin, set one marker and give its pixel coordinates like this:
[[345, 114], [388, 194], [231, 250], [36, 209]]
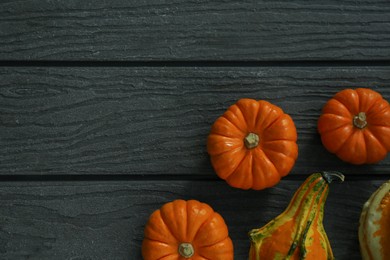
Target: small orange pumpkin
[[253, 144], [355, 125], [182, 230]]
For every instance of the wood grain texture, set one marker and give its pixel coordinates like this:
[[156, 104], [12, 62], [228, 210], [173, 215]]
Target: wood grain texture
[[155, 121], [105, 220], [194, 30]]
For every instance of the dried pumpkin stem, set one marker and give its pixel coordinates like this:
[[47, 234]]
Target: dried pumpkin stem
[[360, 120], [251, 140], [331, 176], [186, 250]]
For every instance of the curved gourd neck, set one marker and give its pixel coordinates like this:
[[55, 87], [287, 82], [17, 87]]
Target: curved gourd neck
[[306, 194], [311, 190]]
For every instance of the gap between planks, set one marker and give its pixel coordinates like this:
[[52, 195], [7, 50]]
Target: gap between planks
[[196, 63], [183, 177]]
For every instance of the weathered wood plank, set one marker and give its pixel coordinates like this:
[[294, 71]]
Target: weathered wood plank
[[194, 30], [105, 220], [155, 121]]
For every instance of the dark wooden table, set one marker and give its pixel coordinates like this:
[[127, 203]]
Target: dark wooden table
[[105, 107]]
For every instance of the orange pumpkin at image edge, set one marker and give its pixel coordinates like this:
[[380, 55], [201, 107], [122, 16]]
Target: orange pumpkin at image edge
[[182, 230], [355, 125], [253, 144]]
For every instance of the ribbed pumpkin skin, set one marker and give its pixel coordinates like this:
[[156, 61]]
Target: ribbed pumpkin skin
[[186, 222], [355, 125], [374, 226], [257, 166], [298, 233]]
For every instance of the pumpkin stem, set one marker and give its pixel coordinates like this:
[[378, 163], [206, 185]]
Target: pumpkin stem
[[332, 175], [360, 120], [251, 140], [186, 250]]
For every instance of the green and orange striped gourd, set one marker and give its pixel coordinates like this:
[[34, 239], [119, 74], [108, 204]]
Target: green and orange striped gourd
[[374, 225], [297, 233]]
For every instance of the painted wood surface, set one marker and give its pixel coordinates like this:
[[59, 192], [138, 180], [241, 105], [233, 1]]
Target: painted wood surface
[[105, 219], [194, 30], [105, 107]]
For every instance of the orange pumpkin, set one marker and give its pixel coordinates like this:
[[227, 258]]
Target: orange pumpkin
[[253, 144], [182, 230], [355, 125]]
